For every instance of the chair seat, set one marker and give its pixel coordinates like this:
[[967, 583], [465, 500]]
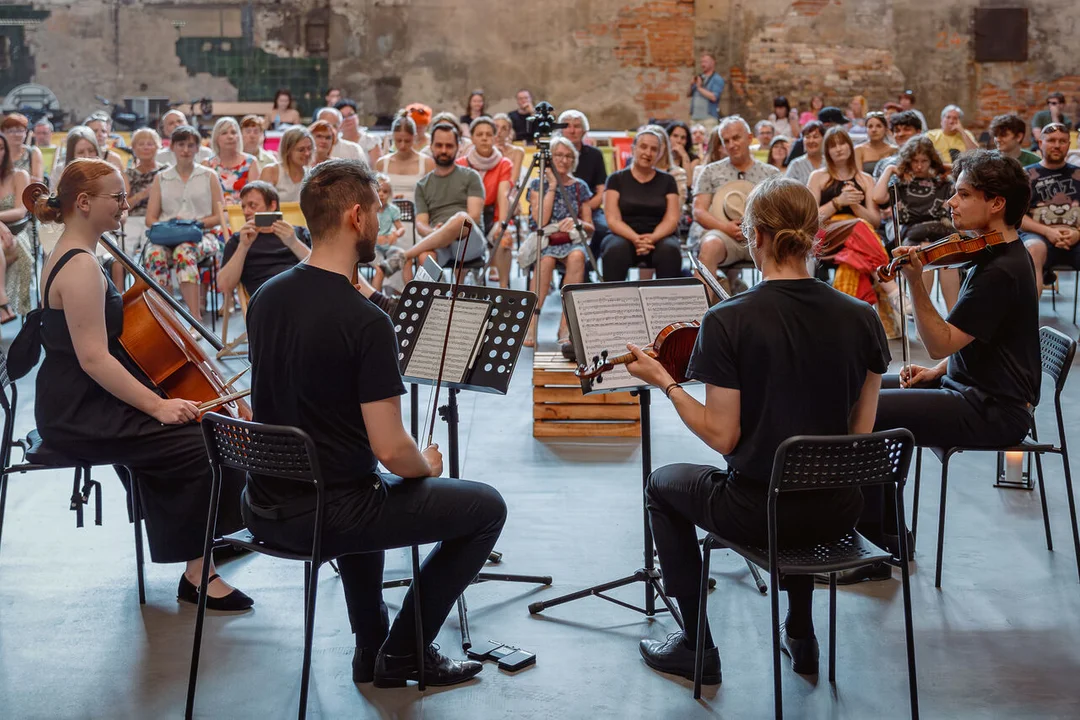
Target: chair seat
[[1027, 445], [244, 538], [38, 453], [850, 551]]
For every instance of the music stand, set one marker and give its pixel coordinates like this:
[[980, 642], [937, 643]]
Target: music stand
[[649, 574], [511, 312]]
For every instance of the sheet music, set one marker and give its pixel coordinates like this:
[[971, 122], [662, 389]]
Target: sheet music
[[671, 304], [466, 333], [607, 320]]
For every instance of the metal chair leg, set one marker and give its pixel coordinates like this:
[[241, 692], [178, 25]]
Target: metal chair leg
[[941, 518], [909, 632], [3, 502], [200, 616], [778, 688], [136, 515], [418, 616], [309, 633], [915, 495], [1072, 503], [703, 599], [832, 627], [1042, 498]]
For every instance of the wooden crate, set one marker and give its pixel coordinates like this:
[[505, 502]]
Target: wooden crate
[[561, 410]]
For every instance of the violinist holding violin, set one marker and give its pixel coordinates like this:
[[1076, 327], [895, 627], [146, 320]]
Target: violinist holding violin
[[983, 390], [95, 404], [790, 356]]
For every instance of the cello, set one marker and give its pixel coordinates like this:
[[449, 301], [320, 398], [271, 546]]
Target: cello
[[156, 339]]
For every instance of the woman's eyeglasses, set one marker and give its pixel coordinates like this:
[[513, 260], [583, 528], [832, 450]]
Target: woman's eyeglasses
[[119, 197]]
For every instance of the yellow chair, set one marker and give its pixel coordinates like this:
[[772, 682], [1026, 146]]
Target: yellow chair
[[229, 347], [290, 213]]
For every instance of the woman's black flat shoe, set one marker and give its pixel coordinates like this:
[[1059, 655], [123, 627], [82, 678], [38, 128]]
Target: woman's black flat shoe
[[233, 602]]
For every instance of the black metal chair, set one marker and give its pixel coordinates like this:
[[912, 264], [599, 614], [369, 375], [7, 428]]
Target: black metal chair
[[408, 215], [805, 464], [1076, 287], [38, 456], [1057, 351], [281, 452]]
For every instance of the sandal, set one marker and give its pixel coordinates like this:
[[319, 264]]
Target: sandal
[[10, 314], [530, 334]]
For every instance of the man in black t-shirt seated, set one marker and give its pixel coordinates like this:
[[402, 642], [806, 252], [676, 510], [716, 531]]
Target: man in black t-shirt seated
[[324, 359], [254, 255], [1051, 230], [641, 204], [790, 356], [982, 392]]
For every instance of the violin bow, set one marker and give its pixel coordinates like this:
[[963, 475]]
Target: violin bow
[[905, 350], [459, 262]]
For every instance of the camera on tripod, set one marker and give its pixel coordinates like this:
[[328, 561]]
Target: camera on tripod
[[541, 124]]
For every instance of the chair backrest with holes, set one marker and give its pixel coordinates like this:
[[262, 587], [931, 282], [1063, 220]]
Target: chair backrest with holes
[[806, 462], [1056, 351], [276, 451]]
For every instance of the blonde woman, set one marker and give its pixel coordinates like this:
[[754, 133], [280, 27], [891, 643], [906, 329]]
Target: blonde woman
[[297, 147], [145, 144], [234, 167]]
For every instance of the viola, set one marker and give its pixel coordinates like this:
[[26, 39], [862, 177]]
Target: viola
[[155, 336], [955, 250], [671, 348]]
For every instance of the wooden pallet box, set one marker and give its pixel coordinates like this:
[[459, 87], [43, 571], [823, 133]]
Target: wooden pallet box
[[560, 409]]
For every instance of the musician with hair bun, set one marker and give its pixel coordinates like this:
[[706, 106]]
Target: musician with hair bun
[[93, 403], [790, 356], [982, 392]]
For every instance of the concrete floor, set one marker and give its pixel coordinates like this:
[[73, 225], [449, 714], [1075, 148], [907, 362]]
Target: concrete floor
[[999, 640]]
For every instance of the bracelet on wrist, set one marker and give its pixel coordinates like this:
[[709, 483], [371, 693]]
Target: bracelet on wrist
[[669, 388]]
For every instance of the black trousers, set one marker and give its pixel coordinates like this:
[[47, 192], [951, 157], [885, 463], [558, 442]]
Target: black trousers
[[618, 256], [946, 415], [600, 232], [682, 496], [464, 518]]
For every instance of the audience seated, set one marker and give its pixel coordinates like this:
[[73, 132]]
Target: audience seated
[[699, 134], [296, 148], [665, 161], [325, 139], [641, 205], [877, 146], [169, 122], [903, 125], [475, 107], [404, 166], [342, 148], [101, 124], [849, 215], [683, 151], [234, 167], [504, 134], [590, 168], [924, 188], [1051, 229], [254, 135], [42, 140], [15, 128], [16, 255], [856, 116], [778, 150], [816, 105], [906, 100], [714, 152], [184, 191], [951, 138], [828, 117], [283, 112], [1054, 112], [446, 197], [1008, 132], [421, 117], [254, 255], [139, 177], [496, 173], [351, 130], [81, 142], [552, 226], [799, 169], [764, 132], [519, 115], [388, 257], [719, 195], [784, 118]]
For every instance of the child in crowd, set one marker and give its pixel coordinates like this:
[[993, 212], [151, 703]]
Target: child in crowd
[[389, 259]]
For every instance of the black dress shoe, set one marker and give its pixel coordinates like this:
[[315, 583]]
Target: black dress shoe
[[867, 573], [676, 657], [363, 665], [802, 651], [233, 602], [396, 670]]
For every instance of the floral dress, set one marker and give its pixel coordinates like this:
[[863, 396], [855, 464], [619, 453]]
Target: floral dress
[[233, 179], [577, 192]]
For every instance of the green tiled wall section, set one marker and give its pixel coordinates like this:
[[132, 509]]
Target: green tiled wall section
[[256, 73]]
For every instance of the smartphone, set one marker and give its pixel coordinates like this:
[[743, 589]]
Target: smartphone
[[266, 219]]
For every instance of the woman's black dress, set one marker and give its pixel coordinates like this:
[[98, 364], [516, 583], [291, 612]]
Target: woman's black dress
[[81, 419]]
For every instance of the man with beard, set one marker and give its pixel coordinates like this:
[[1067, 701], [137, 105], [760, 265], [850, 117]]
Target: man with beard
[[324, 359], [447, 197], [1051, 229]]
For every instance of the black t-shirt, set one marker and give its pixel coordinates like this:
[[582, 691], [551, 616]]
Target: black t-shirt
[[642, 205], [319, 349], [999, 308], [798, 352], [520, 123], [591, 167], [266, 257]]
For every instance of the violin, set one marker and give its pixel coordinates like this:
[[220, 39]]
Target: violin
[[952, 251], [671, 348], [155, 336]]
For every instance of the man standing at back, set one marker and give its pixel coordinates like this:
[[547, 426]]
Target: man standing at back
[[705, 91], [325, 360]]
